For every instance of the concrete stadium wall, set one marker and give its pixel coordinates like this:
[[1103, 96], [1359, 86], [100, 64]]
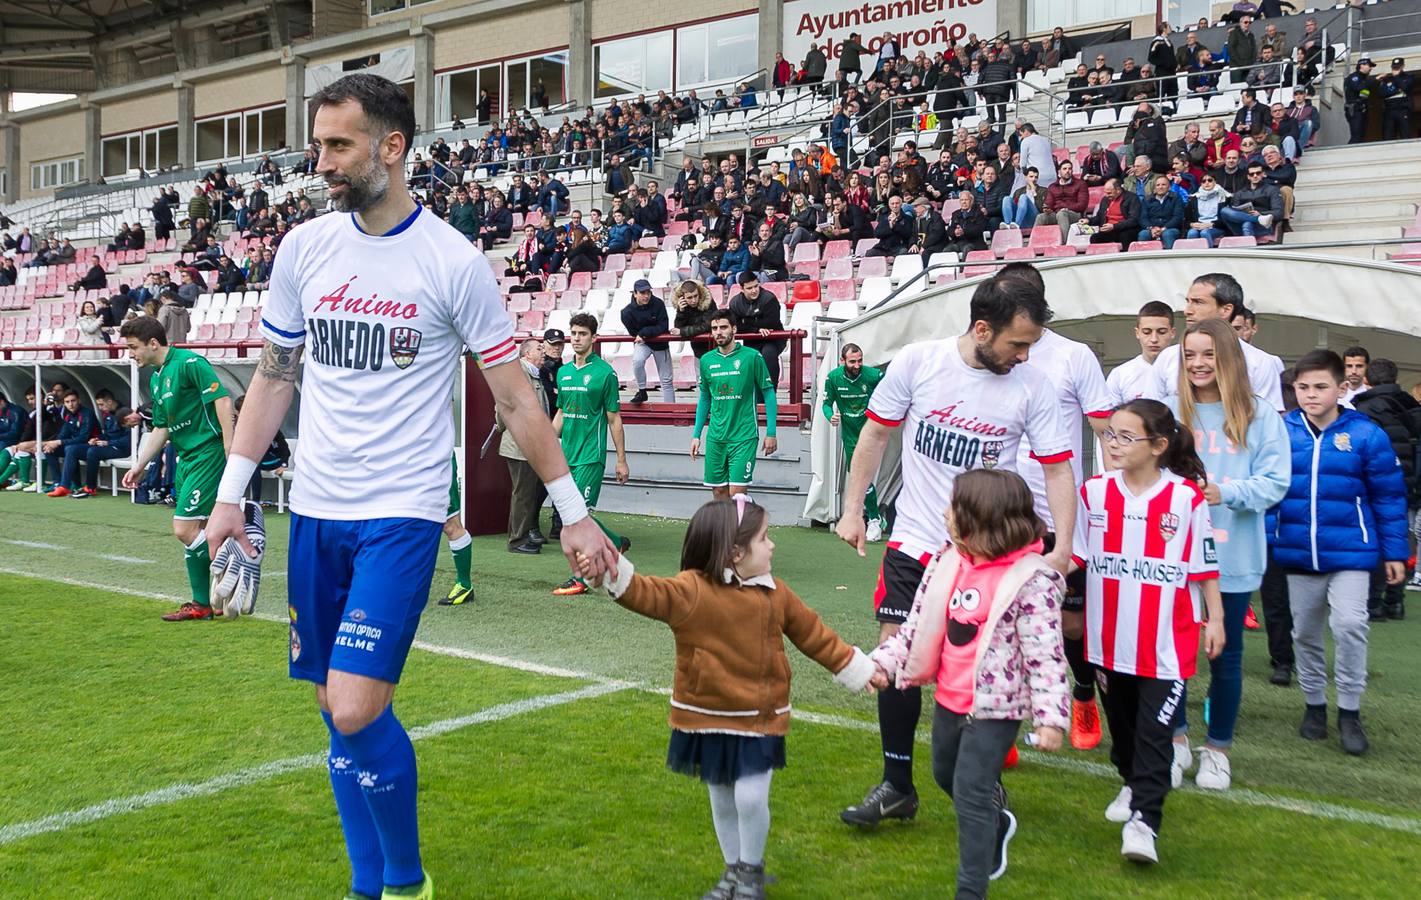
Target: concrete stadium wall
[[56, 137], [501, 36], [134, 114], [609, 18], [262, 87]]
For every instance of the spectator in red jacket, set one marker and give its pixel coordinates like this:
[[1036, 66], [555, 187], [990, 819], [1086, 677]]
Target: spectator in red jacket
[[1066, 201], [1220, 142]]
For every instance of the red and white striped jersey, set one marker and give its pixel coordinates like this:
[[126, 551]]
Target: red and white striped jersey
[[1143, 556]]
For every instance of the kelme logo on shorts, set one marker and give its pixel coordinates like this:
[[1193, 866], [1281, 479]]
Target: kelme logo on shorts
[[404, 346]]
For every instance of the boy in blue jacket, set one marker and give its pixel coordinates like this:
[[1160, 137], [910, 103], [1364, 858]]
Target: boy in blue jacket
[[112, 442], [1345, 511]]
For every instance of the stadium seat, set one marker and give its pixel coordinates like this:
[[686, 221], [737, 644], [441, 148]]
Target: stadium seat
[[808, 251], [605, 280], [873, 267], [1145, 245], [1244, 240], [840, 289], [805, 292], [1191, 244], [581, 281], [1004, 239], [595, 301], [1045, 237], [864, 245], [905, 266], [838, 250], [1102, 249], [808, 269], [838, 268], [875, 290], [1060, 250], [520, 302], [1022, 253], [801, 317], [944, 276]]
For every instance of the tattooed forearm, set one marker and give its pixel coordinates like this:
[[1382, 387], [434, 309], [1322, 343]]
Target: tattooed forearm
[[279, 363]]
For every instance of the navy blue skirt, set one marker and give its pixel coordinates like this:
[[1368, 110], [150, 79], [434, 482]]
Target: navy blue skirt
[[724, 758]]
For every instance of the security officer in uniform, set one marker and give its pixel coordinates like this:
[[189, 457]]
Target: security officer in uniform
[[1396, 88], [1356, 94]]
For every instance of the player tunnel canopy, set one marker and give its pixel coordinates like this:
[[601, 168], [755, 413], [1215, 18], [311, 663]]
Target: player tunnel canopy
[[1303, 301]]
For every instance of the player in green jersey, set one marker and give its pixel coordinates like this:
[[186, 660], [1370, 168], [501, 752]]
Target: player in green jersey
[[732, 376], [848, 388], [461, 546], [192, 409], [589, 406]]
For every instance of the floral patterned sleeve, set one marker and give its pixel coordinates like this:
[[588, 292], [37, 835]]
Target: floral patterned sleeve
[[1038, 628]]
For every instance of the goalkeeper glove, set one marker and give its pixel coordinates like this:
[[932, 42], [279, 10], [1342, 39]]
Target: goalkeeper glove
[[236, 576]]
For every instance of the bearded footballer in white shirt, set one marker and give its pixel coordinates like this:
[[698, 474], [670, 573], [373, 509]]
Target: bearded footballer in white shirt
[[383, 297]]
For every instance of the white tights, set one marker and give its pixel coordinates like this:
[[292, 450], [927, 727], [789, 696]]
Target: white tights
[[742, 817]]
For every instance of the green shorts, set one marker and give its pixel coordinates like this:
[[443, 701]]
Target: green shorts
[[730, 463], [195, 482], [589, 482], [455, 500]]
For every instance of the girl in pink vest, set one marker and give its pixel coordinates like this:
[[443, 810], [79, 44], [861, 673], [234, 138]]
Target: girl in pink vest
[[985, 629]]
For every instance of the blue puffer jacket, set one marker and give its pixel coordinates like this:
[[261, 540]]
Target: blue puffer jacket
[[1346, 506]]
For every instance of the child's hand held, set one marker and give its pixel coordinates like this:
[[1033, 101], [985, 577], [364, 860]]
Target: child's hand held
[[1213, 639], [1047, 738]]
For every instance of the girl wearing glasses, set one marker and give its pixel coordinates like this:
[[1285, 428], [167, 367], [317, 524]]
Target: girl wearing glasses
[[1144, 538]]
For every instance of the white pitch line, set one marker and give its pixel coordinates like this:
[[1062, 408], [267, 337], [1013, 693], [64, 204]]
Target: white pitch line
[[243, 777], [117, 557], [1319, 809], [36, 545]]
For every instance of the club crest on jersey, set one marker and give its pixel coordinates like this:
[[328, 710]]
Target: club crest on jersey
[[586, 380], [404, 346], [992, 453], [1168, 525], [1342, 442], [737, 365]]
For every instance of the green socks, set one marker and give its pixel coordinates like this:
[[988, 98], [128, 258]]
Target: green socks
[[612, 536], [870, 504], [8, 466], [463, 551], [27, 468], [199, 570]]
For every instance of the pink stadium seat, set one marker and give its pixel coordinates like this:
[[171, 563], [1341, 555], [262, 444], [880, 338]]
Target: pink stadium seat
[[838, 250], [1145, 245], [841, 289], [532, 322], [946, 276], [1060, 153], [606, 280], [688, 371], [809, 268], [979, 256], [838, 268], [717, 292], [1004, 239], [580, 281], [1101, 249], [556, 282], [676, 230], [569, 299], [1191, 244], [520, 302], [517, 221], [642, 260], [1020, 253], [1095, 194], [649, 242], [805, 292], [779, 288], [1046, 236], [806, 252], [615, 262], [543, 301], [873, 267], [864, 246], [1238, 241], [1063, 250]]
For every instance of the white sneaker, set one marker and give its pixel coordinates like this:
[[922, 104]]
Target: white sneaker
[[1137, 841], [1415, 583], [1119, 808], [874, 532], [1266, 220], [1183, 762], [1213, 774]]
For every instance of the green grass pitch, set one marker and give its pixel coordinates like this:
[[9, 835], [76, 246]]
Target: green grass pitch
[[143, 759]]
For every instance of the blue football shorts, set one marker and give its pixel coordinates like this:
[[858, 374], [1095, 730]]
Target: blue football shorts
[[355, 593]]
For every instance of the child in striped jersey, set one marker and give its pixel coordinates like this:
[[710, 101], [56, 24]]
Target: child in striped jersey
[[1144, 539]]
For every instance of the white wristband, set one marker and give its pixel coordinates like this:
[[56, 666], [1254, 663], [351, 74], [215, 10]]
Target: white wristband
[[567, 500], [235, 478]]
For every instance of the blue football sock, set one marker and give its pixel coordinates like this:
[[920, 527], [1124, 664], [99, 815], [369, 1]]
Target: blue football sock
[[362, 841], [385, 758]]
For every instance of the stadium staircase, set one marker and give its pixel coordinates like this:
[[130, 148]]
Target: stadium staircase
[[1356, 192]]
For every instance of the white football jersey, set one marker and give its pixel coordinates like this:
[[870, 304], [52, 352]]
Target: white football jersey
[[1133, 380], [384, 321], [1078, 383], [956, 418]]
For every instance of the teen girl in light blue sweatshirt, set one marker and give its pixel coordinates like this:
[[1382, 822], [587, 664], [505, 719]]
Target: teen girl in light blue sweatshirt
[[1244, 446]]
